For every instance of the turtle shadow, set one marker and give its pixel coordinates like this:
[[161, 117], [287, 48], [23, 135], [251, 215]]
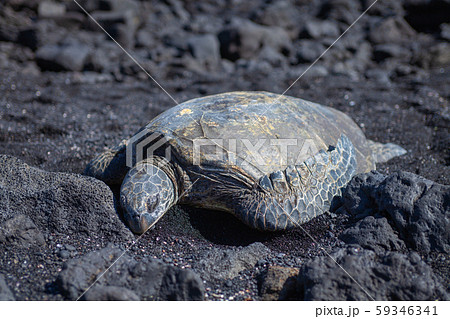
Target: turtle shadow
[[224, 229], [217, 227]]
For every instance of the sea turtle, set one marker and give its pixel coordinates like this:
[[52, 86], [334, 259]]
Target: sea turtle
[[273, 161]]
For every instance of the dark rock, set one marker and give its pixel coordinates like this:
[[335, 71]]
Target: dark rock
[[203, 23], [69, 55], [59, 203], [390, 276], [88, 5], [384, 8], [5, 293], [119, 5], [104, 5], [391, 50], [178, 10], [261, 263], [244, 39], [403, 69], [88, 77], [146, 278], [50, 9], [357, 196], [45, 32], [121, 25], [109, 293], [417, 208], [70, 247], [101, 59], [123, 34], [206, 49], [185, 64], [227, 263], [318, 29], [273, 57], [72, 21], [20, 231], [440, 55], [309, 50], [64, 254], [7, 32], [230, 42], [313, 72], [278, 13], [145, 39], [181, 284], [378, 75], [445, 31], [340, 10], [373, 233], [11, 23], [426, 15], [279, 283], [28, 37], [345, 51], [256, 66], [345, 68], [391, 30]]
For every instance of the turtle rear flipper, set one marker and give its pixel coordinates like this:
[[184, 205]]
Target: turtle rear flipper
[[286, 199], [384, 152]]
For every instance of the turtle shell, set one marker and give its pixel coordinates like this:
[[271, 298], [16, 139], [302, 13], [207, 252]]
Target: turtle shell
[[255, 133]]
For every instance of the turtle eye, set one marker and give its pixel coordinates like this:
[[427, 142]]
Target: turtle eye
[[153, 203]]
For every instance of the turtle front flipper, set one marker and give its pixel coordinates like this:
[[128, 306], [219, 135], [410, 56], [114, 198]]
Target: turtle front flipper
[[285, 199], [147, 193], [109, 166]]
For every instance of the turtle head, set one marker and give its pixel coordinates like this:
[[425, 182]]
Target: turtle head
[[146, 194]]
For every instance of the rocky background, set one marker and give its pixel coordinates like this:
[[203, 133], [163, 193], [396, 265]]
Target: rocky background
[[67, 91]]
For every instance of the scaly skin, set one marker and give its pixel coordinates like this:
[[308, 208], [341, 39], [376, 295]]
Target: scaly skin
[[146, 194], [289, 198]]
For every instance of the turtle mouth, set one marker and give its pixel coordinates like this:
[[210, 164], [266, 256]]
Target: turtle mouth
[[140, 223], [144, 217]]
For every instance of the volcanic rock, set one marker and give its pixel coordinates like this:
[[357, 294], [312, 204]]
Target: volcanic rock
[[373, 233], [357, 274], [280, 283], [56, 203], [417, 208], [5, 292], [227, 263], [244, 39], [127, 279]]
